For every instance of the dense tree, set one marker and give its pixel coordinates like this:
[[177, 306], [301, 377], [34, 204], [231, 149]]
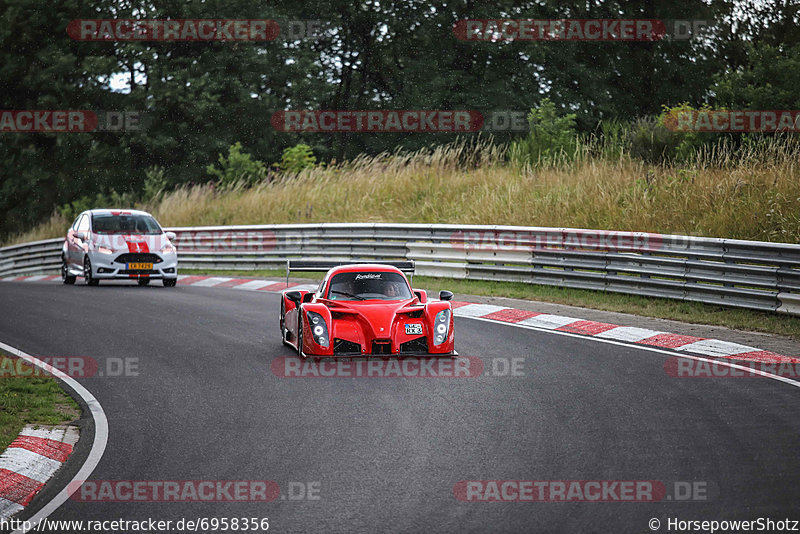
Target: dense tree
[[202, 97]]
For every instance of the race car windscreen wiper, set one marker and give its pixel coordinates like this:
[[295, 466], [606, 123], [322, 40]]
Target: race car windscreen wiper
[[357, 297]]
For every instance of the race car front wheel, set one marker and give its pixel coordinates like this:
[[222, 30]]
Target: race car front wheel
[[65, 276], [87, 273], [299, 334], [170, 282]]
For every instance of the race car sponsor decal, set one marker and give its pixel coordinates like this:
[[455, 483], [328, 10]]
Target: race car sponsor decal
[[368, 276]]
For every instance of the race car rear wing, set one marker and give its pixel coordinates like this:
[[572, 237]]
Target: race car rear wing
[[309, 266]]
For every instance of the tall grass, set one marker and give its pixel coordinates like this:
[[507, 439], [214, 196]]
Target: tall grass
[[750, 192]]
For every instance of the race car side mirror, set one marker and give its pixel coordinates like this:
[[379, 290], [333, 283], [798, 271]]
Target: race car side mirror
[[80, 235], [294, 296], [171, 236], [445, 295]]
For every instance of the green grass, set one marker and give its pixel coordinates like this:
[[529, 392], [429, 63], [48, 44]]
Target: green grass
[[687, 312], [28, 397], [465, 183]]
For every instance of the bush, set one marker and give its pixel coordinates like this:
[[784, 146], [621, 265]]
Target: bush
[[297, 158], [552, 138], [610, 140], [237, 168], [690, 143], [651, 141], [155, 184]]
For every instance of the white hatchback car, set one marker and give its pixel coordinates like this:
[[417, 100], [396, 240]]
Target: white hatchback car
[[108, 244]]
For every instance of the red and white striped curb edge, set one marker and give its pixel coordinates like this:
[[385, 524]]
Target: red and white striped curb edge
[[29, 462], [690, 344]]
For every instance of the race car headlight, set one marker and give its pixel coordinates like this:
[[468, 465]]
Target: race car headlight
[[104, 250], [169, 249], [319, 330], [442, 325]]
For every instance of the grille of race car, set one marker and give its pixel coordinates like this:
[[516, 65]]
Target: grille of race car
[[131, 271], [382, 346], [419, 344], [342, 346], [133, 257]]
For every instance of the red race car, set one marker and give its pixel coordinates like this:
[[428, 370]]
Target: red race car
[[365, 310]]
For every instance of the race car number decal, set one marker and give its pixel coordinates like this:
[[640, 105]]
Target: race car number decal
[[412, 329], [140, 266]]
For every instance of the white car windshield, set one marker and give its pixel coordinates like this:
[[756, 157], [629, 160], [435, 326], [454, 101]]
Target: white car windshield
[[109, 223], [369, 286]]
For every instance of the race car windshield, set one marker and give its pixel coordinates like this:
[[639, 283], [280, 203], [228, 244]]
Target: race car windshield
[[369, 286], [125, 224]]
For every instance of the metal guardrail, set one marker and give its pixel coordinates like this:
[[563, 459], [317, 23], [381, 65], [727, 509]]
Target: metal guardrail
[[747, 274]]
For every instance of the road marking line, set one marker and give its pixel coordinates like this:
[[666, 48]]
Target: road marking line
[[18, 488], [254, 285], [55, 450], [629, 333], [589, 328], [548, 321], [732, 365], [716, 347], [669, 341], [510, 315], [9, 508], [29, 464], [211, 282], [98, 444], [642, 336], [476, 310]]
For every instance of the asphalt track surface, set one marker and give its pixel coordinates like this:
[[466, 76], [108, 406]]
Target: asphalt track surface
[[387, 452]]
